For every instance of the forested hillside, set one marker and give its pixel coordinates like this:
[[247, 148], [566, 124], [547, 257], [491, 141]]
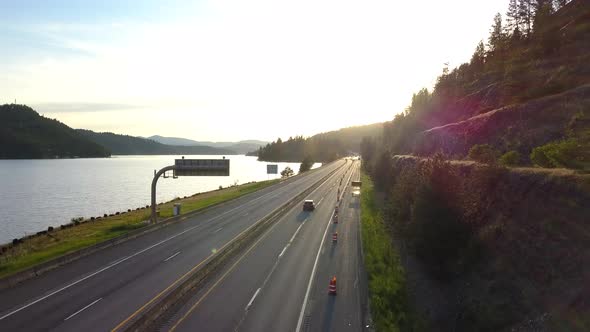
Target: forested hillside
[[525, 89], [24, 134], [484, 245], [131, 145], [322, 147]]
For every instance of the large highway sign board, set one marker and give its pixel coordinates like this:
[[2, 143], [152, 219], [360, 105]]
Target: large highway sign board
[[201, 167]]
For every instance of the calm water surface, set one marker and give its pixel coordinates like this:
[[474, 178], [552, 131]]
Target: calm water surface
[[35, 194]]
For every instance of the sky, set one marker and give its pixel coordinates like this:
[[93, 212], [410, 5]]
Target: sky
[[230, 70]]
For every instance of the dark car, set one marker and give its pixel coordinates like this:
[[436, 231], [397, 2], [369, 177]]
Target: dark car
[[308, 205]]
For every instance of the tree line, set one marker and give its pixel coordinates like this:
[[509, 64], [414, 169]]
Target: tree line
[[537, 49]]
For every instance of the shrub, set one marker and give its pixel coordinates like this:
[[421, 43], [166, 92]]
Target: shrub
[[570, 153], [511, 158], [306, 164], [287, 172], [50, 229], [539, 158], [437, 232], [483, 153]]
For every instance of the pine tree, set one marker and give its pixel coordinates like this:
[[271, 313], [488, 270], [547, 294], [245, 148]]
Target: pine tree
[[478, 58], [543, 10], [496, 40], [525, 13], [512, 17]]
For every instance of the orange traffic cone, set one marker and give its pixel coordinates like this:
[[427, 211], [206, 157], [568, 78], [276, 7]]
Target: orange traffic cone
[[335, 237], [332, 287]]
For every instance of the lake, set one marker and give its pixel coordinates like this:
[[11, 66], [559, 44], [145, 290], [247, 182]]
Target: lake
[[35, 194]]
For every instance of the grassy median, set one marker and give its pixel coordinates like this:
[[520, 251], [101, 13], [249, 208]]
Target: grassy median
[[387, 292], [81, 234]]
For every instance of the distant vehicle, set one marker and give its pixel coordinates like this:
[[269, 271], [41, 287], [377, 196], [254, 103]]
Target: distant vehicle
[[356, 184], [356, 193], [308, 205]]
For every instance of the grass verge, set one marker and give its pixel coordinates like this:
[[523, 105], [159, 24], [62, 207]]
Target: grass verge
[[387, 292], [78, 235]]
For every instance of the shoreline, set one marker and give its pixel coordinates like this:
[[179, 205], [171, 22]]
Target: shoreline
[[56, 241]]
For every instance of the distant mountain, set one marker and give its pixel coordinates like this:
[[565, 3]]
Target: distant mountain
[[131, 145], [24, 134], [174, 140], [241, 147]]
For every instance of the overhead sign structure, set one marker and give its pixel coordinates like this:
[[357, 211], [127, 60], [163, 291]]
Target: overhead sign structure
[[272, 169], [201, 167], [189, 167]]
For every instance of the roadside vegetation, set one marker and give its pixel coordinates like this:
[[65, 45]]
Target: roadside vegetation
[[387, 291], [81, 233], [489, 240]]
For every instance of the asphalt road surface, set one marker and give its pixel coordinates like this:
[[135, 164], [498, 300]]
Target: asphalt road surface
[[280, 283], [98, 292]]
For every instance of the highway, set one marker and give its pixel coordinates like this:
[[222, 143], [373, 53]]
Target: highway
[[280, 283], [107, 288]]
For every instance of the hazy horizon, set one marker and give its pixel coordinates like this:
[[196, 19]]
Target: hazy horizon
[[230, 70]]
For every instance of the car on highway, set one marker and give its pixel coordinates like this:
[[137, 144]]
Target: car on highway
[[308, 205]]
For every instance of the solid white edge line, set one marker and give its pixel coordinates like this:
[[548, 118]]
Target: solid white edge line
[[252, 299], [169, 258], [79, 311], [95, 273], [137, 253], [315, 265]]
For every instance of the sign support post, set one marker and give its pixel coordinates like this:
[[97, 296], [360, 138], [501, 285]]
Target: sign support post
[[189, 167]]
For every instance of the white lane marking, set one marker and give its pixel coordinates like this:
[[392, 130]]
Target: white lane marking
[[217, 230], [320, 202], [79, 311], [252, 299], [144, 250], [315, 265], [169, 258], [297, 231], [282, 252], [97, 272]]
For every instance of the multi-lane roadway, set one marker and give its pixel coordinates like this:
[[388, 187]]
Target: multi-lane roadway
[[279, 283]]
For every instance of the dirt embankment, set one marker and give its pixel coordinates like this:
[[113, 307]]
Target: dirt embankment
[[518, 127], [534, 226]]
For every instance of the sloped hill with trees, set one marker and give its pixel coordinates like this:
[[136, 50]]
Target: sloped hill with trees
[[322, 147], [487, 247], [526, 88], [24, 134]]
